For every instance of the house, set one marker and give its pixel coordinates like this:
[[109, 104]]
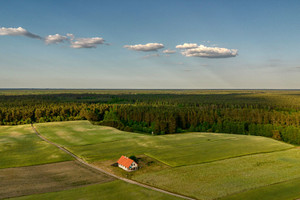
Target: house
[[127, 164]]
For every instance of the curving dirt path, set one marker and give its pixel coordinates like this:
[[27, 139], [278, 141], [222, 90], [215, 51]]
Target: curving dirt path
[[105, 172]]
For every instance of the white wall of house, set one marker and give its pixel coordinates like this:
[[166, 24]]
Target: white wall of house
[[132, 167]]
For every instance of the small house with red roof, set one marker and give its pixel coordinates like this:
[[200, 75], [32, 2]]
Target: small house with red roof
[[127, 164]]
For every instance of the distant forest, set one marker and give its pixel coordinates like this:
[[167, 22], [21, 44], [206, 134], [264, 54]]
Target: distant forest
[[270, 113]]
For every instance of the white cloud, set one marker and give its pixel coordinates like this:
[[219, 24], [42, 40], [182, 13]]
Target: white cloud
[[86, 42], [145, 47], [210, 52], [169, 51], [71, 36], [55, 39], [76, 43], [18, 32], [187, 46]]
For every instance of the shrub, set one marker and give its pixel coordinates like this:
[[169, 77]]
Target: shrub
[[134, 158]]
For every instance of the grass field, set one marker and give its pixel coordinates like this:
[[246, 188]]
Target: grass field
[[22, 181], [19, 146], [29, 166], [80, 133], [98, 143], [225, 177], [288, 190], [112, 190], [202, 165]]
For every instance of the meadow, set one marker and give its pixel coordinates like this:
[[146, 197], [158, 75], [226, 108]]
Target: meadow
[[201, 165], [112, 190], [19, 146], [288, 190], [97, 143], [30, 166], [221, 178]]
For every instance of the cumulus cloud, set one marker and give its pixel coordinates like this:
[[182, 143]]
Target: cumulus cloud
[[76, 43], [55, 39], [145, 47], [18, 32], [187, 46], [169, 51], [71, 36], [190, 50], [86, 42]]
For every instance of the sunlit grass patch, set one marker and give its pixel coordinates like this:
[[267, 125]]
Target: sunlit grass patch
[[19, 146], [99, 143]]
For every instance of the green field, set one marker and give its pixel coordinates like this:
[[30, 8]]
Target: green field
[[19, 146], [203, 165], [112, 190], [221, 178], [288, 190], [97, 143], [24, 170]]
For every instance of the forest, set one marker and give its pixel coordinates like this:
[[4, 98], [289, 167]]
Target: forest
[[269, 113]]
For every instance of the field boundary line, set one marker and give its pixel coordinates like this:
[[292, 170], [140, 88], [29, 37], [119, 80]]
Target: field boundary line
[[240, 156], [165, 163], [105, 172]]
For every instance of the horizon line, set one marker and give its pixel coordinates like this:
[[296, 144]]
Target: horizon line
[[147, 89]]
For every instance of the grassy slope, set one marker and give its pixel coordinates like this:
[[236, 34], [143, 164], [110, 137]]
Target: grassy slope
[[96, 143], [112, 190], [204, 181], [19, 146], [221, 178], [288, 190]]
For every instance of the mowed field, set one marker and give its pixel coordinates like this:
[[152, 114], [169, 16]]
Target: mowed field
[[28, 180], [29, 166], [97, 143], [19, 146], [225, 177], [201, 165], [118, 190]]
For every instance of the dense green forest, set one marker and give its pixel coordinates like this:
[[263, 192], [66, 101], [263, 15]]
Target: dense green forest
[[270, 113]]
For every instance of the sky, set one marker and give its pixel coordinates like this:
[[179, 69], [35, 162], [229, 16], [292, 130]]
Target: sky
[[178, 44]]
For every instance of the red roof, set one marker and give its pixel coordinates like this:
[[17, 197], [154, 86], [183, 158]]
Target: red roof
[[125, 161]]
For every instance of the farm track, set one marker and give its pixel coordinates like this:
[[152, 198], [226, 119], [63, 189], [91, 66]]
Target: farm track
[[105, 172]]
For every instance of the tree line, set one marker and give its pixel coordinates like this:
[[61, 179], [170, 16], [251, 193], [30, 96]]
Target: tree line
[[273, 114]]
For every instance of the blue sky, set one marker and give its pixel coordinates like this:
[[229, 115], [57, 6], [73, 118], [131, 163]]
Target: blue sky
[[239, 44]]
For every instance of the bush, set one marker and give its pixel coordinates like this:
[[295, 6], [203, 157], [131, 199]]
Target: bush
[[133, 158], [276, 135]]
